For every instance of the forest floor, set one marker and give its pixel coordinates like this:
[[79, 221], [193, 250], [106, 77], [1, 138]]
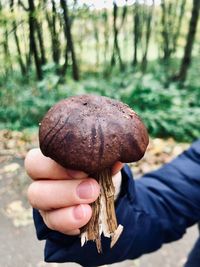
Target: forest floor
[[18, 244]]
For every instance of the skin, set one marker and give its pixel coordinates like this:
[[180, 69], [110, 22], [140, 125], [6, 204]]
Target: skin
[[61, 195]]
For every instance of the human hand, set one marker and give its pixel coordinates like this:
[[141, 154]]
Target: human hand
[[62, 196]]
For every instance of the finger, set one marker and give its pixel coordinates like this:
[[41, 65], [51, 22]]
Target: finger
[[40, 167], [117, 167], [67, 220], [70, 232], [54, 194]]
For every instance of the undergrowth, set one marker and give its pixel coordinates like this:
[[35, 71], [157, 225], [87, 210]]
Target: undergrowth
[[168, 109]]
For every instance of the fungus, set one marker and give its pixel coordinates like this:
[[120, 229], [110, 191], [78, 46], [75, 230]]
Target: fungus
[[91, 133]]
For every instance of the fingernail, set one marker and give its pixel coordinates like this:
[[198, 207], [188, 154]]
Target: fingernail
[[79, 212], [76, 174], [85, 190]]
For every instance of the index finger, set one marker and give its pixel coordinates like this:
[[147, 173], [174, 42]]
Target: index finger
[[40, 167]]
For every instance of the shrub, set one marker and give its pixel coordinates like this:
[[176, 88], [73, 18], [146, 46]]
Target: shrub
[[167, 112]]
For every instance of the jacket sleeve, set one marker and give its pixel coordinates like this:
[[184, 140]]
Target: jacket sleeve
[[154, 210]]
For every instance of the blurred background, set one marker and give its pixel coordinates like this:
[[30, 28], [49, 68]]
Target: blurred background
[[144, 53]]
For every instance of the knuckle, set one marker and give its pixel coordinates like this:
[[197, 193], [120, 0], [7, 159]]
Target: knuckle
[[50, 223], [54, 223], [32, 194], [28, 162]]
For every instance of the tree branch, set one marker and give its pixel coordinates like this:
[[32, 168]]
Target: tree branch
[[23, 6]]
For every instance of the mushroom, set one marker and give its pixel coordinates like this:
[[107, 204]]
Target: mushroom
[[91, 133]]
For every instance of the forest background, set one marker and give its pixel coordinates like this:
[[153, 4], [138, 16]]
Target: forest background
[[145, 53]]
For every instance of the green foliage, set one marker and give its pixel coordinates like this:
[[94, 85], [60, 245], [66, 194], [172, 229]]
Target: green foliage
[[167, 111]]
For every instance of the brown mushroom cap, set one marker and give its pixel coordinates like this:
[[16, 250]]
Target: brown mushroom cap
[[90, 133]]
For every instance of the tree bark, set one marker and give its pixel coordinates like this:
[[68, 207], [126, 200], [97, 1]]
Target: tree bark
[[33, 44], [52, 21], [69, 40], [178, 28], [55, 39], [97, 45], [136, 33], [116, 49], [189, 43], [6, 51], [106, 35], [41, 42], [148, 35], [7, 56], [20, 59], [165, 34]]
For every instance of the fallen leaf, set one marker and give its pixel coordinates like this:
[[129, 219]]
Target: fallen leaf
[[19, 215], [11, 167]]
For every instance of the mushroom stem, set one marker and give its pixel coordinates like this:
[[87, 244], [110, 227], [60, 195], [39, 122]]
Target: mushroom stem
[[103, 218]]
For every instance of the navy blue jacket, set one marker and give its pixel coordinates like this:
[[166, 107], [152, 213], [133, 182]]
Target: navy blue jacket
[[156, 209]]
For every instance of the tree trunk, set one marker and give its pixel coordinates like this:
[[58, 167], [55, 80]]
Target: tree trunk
[[69, 40], [125, 41], [123, 22], [165, 34], [52, 21], [190, 41], [41, 42], [116, 49], [106, 35], [55, 39], [33, 44], [7, 57], [6, 52], [113, 61], [148, 35], [136, 33], [63, 70], [178, 28], [20, 59], [97, 45]]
